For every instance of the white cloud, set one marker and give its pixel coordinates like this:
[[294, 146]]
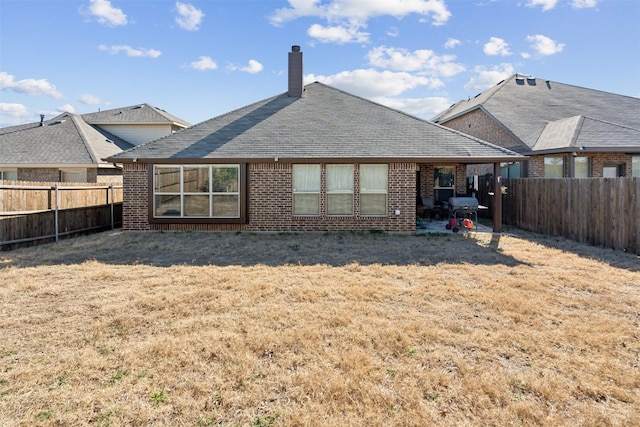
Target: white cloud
[[485, 79], [105, 13], [451, 43], [423, 60], [66, 108], [337, 34], [90, 99], [393, 32], [496, 46], [204, 63], [362, 11], [421, 107], [544, 45], [546, 4], [371, 83], [189, 18], [131, 52], [583, 4], [347, 17], [28, 86], [252, 68], [14, 110]]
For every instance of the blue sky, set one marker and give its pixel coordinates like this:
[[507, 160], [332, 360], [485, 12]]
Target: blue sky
[[200, 59]]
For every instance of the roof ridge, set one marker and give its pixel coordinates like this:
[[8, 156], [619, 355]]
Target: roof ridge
[[76, 119]]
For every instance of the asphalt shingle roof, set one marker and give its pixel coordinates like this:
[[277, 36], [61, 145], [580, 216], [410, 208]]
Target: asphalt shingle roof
[[64, 140], [526, 105], [134, 114], [325, 123]]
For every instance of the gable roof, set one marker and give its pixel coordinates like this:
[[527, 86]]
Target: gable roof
[[584, 133], [526, 105], [64, 140], [134, 114], [324, 124]]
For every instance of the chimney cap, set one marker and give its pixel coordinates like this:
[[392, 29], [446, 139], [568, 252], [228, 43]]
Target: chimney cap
[[295, 48]]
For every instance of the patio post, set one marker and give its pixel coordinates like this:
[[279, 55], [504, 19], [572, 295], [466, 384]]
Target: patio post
[[497, 199]]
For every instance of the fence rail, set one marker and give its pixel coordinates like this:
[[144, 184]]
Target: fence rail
[[41, 212], [597, 211], [23, 196]]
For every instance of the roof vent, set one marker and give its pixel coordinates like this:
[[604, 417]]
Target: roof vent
[[41, 119]]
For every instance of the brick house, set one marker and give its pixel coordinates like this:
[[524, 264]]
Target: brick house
[[565, 130], [70, 147], [313, 158]]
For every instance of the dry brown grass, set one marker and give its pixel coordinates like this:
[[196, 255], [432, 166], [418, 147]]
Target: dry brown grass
[[340, 329]]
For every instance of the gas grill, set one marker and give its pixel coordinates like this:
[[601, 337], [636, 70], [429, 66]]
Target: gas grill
[[463, 213]]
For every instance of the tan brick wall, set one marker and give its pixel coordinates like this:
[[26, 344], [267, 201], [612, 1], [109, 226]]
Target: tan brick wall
[[271, 203], [598, 161], [39, 174], [477, 123], [50, 174]]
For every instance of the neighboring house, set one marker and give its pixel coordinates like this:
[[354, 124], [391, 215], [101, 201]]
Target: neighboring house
[[313, 158], [70, 147], [567, 131], [137, 124]]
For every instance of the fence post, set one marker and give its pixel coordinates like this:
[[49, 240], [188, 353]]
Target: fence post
[[56, 214], [111, 206]]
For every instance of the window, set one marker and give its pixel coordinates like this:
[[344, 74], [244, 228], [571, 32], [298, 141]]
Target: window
[[582, 167], [340, 189], [73, 175], [306, 190], [444, 183], [373, 190], [9, 174], [190, 191], [635, 165], [553, 167]]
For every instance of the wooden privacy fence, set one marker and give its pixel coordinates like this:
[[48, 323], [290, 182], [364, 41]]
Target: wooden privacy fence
[[67, 210], [598, 211], [21, 196]]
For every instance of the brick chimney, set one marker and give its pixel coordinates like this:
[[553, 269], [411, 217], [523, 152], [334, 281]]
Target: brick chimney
[[295, 72]]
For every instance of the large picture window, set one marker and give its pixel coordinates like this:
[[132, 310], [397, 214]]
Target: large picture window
[[340, 189], [196, 191], [306, 190], [553, 167], [373, 190]]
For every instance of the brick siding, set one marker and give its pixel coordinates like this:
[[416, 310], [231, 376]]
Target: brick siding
[[270, 206], [477, 123], [50, 174], [598, 161]]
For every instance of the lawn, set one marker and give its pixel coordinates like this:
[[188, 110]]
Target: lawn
[[319, 329]]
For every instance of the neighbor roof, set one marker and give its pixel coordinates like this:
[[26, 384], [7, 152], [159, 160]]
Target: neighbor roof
[[325, 123], [526, 106], [64, 140], [134, 114]]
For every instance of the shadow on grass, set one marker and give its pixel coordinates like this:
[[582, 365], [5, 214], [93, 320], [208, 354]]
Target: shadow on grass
[[272, 249], [164, 249]]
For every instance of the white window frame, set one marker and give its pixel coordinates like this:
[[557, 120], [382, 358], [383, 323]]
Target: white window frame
[[635, 166], [306, 192], [9, 174], [580, 160], [340, 192], [364, 191], [78, 175], [549, 162], [208, 191]]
